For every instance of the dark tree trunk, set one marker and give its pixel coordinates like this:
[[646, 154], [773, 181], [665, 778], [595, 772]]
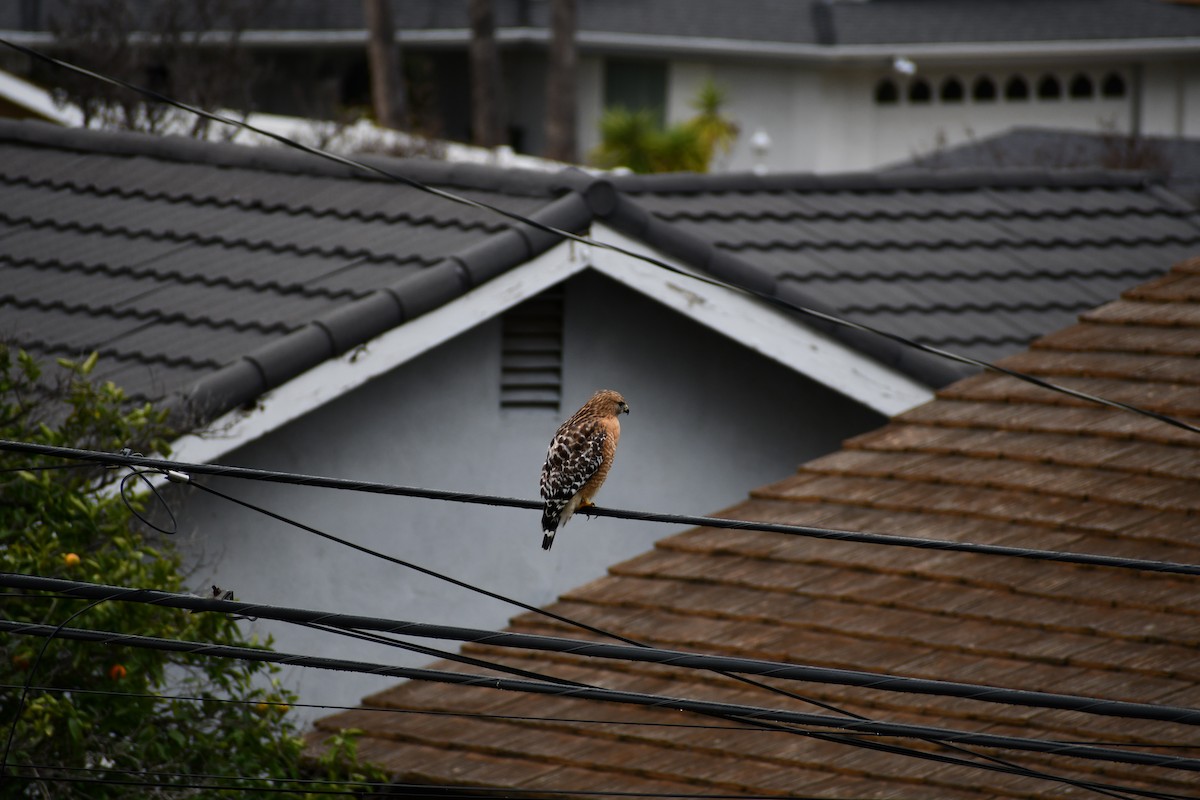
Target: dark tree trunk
[[388, 92], [487, 101], [561, 82]]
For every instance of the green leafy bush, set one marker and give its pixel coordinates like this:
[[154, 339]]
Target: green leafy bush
[[633, 139], [122, 714]]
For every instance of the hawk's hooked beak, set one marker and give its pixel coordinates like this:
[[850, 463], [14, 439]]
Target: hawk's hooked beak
[[624, 408]]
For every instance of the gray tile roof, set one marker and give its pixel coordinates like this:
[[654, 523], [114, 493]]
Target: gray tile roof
[[980, 263], [215, 272], [811, 22], [1176, 159], [990, 461]]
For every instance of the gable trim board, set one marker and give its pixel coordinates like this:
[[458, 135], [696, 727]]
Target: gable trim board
[[640, 213], [729, 312]]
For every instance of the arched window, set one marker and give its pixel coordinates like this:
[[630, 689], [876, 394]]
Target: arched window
[[919, 91], [984, 90], [886, 92], [952, 90], [1016, 89], [1113, 86], [1081, 87], [1049, 88]]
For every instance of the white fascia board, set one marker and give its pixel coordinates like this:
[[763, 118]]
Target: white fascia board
[[36, 99], [762, 328], [731, 313], [337, 376]]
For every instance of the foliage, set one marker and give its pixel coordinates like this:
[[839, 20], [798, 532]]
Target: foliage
[[167, 47], [632, 139], [123, 710]]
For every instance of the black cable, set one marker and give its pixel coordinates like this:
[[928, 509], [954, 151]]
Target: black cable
[[706, 707], [411, 711], [134, 475], [181, 471], [810, 312], [1002, 764], [565, 620], [442, 791], [585, 240], [494, 595], [446, 655], [493, 717], [642, 654], [840, 738], [12, 730]]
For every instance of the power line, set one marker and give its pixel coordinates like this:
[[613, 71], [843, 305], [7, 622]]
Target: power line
[[771, 299], [180, 472], [420, 711], [643, 654], [995, 764], [466, 792], [706, 707]]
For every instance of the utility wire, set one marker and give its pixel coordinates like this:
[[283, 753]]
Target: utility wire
[[481, 715], [585, 240], [706, 707], [55, 630], [180, 472], [649, 655], [995, 765]]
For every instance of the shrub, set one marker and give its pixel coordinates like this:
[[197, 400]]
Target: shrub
[[120, 714]]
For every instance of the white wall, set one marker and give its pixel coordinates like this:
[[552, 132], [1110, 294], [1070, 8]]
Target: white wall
[[905, 130], [824, 118], [709, 421]]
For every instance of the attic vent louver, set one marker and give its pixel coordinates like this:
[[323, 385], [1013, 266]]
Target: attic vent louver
[[531, 353]]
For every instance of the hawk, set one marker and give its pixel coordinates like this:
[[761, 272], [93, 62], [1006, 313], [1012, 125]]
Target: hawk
[[578, 460]]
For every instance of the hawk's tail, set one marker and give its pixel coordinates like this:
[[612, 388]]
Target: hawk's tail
[[549, 526]]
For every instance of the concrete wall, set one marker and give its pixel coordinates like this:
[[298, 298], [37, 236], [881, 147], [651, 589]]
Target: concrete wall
[[709, 421]]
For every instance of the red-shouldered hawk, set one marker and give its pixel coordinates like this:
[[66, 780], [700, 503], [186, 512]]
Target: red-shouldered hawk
[[580, 455]]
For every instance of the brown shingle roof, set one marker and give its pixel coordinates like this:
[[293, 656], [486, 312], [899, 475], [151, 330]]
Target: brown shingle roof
[[991, 460]]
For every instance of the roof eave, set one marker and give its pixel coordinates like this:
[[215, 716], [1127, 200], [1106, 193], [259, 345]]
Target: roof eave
[[673, 45]]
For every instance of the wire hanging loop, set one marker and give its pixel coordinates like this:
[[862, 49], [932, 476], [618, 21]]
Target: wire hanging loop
[[130, 503]]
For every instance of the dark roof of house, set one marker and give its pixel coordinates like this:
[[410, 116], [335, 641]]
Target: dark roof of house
[[991, 460], [816, 22], [214, 272], [1176, 159], [976, 262]]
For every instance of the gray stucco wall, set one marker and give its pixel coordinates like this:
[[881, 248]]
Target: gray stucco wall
[[709, 421]]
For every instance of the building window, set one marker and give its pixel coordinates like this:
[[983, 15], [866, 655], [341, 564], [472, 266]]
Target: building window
[[919, 91], [952, 90], [1081, 88], [1049, 88], [1113, 86], [886, 92], [1017, 89], [531, 353], [637, 85], [984, 90]]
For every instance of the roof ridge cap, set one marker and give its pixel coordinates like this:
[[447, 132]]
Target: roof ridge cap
[[910, 178]]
